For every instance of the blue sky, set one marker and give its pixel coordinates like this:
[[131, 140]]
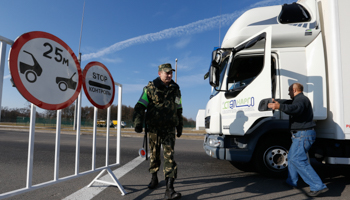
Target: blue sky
[[131, 38]]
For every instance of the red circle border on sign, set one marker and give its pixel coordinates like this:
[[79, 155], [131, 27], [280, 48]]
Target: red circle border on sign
[[13, 61], [87, 67]]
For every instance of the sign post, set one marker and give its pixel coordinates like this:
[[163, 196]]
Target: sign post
[[99, 88]]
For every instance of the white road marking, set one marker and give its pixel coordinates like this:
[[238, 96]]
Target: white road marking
[[89, 193]]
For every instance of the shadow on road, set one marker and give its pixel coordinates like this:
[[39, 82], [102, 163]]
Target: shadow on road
[[250, 185]]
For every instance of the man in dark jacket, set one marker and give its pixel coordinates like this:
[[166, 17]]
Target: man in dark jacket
[[162, 99], [303, 136]]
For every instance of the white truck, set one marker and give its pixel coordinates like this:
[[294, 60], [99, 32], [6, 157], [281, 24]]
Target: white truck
[[264, 51]]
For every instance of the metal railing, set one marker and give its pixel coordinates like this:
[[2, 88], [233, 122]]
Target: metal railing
[[3, 43], [56, 179]]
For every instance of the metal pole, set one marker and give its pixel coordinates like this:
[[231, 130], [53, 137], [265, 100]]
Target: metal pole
[[79, 60], [176, 70], [2, 68], [75, 116], [81, 28], [107, 134], [3, 42], [220, 23], [75, 109], [119, 120], [77, 140], [76, 103], [57, 145], [93, 167], [31, 146]]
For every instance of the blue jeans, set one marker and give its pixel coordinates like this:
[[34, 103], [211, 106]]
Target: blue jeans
[[298, 162]]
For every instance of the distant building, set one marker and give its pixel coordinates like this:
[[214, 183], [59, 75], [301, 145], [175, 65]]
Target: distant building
[[200, 121]]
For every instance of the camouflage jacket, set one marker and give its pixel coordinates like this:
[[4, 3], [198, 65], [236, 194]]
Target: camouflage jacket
[[163, 104]]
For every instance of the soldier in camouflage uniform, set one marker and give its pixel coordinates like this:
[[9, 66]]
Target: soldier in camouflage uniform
[[162, 99]]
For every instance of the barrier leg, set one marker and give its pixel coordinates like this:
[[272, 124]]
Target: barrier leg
[[114, 178]]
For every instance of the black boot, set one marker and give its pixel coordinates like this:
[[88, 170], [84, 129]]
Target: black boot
[[154, 182], [170, 192]]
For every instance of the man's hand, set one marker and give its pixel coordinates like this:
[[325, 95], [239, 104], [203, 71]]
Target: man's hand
[[179, 131], [138, 129], [274, 105]]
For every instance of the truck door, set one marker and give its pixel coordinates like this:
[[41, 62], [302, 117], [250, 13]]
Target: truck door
[[249, 83]]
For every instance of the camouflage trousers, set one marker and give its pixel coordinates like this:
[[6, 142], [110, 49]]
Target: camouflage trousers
[[166, 138]]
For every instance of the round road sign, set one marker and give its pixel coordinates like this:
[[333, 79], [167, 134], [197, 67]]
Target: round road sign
[[45, 70], [98, 85], [142, 152]]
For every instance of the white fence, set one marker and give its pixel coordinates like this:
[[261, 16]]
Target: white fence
[[106, 168], [3, 43]]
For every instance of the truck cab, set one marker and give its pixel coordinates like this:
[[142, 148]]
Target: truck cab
[[265, 51]]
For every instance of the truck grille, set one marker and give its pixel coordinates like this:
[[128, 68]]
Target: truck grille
[[207, 122]]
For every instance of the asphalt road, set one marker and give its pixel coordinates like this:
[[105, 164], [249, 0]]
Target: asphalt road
[[199, 176]]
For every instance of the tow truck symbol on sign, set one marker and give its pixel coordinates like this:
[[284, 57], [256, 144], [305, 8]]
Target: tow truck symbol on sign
[[31, 71], [64, 83]]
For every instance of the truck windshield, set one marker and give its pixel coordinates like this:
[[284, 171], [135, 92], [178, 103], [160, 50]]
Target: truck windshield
[[243, 71]]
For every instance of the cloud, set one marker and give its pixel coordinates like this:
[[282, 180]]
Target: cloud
[[269, 3], [157, 14], [192, 28], [189, 29], [183, 43], [189, 62], [116, 60]]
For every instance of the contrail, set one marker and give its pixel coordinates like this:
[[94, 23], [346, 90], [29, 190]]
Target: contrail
[[192, 28]]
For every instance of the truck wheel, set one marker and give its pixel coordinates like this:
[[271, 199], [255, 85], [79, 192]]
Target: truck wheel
[[271, 157]]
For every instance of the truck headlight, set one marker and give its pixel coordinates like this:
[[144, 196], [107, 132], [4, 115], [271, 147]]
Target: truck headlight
[[214, 142]]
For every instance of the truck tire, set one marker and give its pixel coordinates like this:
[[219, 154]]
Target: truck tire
[[270, 157]]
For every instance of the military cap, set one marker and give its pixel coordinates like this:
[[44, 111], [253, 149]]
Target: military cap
[[165, 67]]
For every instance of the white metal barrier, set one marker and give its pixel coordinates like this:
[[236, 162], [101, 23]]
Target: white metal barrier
[[106, 168], [3, 43]]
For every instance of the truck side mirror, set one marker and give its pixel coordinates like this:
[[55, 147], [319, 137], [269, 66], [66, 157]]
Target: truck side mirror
[[214, 68], [263, 105], [213, 76]]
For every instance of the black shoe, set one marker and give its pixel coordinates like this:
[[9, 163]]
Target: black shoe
[[315, 193], [170, 192], [154, 182]]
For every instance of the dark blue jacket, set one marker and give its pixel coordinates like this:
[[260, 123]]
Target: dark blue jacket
[[300, 113]]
